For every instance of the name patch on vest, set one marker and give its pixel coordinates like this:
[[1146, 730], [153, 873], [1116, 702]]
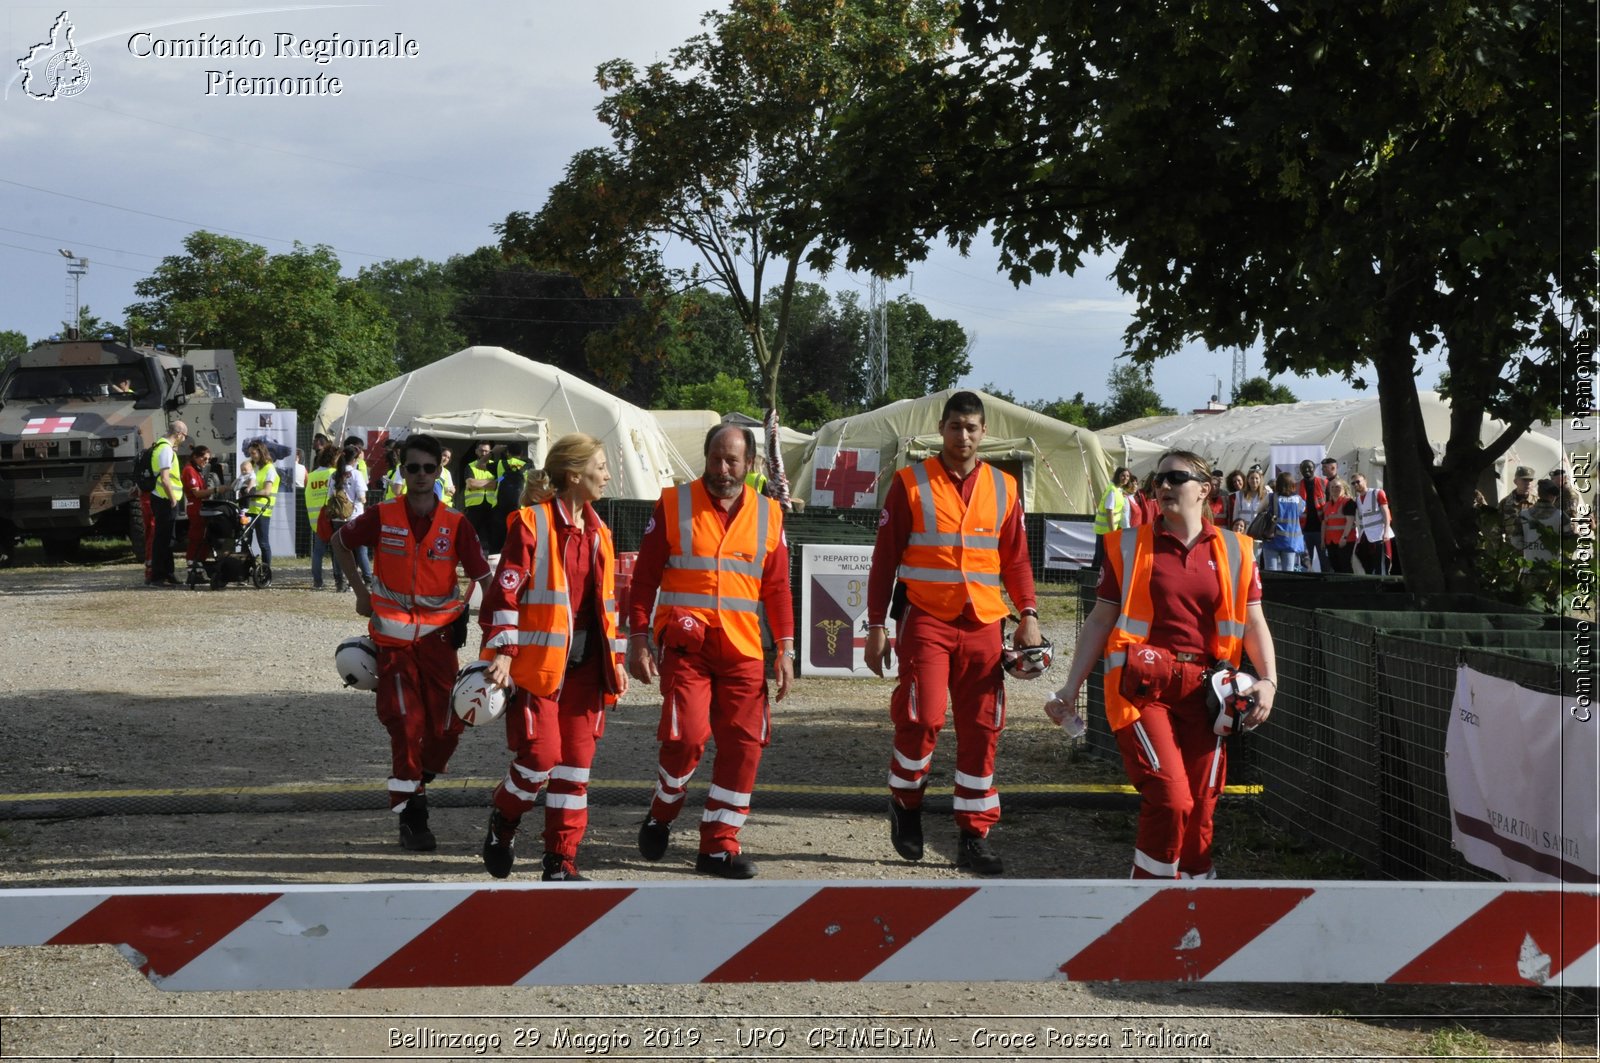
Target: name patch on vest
[[390, 529]]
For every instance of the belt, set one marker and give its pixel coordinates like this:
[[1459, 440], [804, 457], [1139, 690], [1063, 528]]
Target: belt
[[1188, 658]]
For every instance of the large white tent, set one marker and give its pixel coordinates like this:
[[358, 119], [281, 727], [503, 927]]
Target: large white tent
[[687, 429], [1348, 429], [493, 394], [1060, 466]]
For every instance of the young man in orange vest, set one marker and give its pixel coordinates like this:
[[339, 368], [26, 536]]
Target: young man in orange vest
[[716, 551], [951, 530], [414, 604]]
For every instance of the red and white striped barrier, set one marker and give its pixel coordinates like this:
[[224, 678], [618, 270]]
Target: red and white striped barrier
[[388, 936]]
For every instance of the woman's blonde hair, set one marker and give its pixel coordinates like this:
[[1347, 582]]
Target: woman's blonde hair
[[1196, 464], [570, 454]]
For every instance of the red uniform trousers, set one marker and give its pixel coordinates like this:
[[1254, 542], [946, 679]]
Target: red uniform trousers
[[198, 547], [1179, 766], [552, 740], [943, 661], [414, 705], [716, 692]]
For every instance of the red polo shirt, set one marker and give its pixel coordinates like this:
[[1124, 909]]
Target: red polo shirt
[[1185, 588]]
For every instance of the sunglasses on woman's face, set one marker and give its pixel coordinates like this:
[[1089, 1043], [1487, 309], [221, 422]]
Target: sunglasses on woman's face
[[1174, 477], [414, 467]]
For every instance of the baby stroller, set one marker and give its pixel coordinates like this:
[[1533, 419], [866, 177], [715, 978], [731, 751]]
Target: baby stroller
[[228, 533]]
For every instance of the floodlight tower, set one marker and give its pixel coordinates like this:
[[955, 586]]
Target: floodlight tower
[[76, 268], [878, 338]]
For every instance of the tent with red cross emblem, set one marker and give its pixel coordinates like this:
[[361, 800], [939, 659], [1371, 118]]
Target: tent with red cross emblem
[[848, 465]]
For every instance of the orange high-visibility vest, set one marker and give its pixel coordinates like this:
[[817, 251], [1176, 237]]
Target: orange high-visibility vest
[[953, 552], [1338, 527], [1131, 555], [715, 572], [414, 587], [543, 617]]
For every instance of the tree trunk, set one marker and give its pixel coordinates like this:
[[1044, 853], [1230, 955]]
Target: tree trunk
[[1408, 464]]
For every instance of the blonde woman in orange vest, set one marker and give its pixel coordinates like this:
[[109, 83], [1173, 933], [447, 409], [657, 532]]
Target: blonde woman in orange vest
[[1339, 526], [550, 629], [715, 549], [1185, 586], [413, 604], [951, 531]]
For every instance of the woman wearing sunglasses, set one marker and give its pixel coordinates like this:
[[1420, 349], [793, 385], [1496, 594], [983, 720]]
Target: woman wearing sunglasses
[[550, 628], [1175, 596]]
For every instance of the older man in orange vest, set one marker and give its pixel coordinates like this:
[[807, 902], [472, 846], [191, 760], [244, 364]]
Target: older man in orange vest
[[414, 605], [716, 551], [951, 530]]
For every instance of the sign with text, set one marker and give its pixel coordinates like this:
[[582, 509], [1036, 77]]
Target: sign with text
[[833, 610]]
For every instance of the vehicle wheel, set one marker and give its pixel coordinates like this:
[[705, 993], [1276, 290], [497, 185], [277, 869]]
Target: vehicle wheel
[[261, 578], [136, 532], [59, 547]]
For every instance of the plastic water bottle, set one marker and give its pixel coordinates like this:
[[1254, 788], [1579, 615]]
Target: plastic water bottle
[[1073, 724]]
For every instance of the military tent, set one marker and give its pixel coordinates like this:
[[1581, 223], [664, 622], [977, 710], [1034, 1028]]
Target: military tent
[[1060, 466], [491, 393], [1348, 429]]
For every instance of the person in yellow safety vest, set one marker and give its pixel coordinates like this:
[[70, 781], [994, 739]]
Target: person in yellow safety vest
[[446, 486], [416, 608], [1175, 596], [478, 494], [317, 482], [758, 480], [164, 501], [550, 632], [952, 533], [263, 499]]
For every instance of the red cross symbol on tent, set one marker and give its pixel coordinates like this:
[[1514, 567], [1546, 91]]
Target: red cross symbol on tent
[[846, 480], [41, 426]]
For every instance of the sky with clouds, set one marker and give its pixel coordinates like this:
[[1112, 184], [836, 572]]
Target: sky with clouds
[[417, 155]]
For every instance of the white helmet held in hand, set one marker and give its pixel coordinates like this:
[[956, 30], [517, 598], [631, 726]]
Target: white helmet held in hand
[[1228, 696], [1028, 662], [357, 662], [474, 700]]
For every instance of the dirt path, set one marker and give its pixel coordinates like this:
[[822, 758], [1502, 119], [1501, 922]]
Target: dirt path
[[111, 689]]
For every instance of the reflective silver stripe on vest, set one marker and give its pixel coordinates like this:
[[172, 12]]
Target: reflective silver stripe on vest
[[401, 629], [546, 543], [1139, 629], [930, 535], [539, 638], [540, 596], [412, 601], [686, 526], [707, 601], [1000, 501], [1116, 660], [763, 515], [619, 645], [944, 575], [1235, 562]]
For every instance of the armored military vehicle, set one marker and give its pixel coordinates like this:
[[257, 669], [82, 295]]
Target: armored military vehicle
[[74, 417]]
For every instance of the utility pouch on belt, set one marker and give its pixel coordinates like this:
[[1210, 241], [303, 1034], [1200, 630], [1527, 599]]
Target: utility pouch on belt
[[1146, 673], [578, 649], [897, 602], [683, 631], [458, 629]]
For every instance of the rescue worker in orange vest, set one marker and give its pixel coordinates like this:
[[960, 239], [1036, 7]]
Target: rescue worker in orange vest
[[550, 631], [951, 530], [1187, 587], [716, 551], [416, 608]]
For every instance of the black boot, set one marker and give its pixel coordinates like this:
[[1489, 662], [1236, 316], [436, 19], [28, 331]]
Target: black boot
[[414, 833]]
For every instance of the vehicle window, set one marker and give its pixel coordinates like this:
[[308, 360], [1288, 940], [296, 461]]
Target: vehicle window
[[52, 383]]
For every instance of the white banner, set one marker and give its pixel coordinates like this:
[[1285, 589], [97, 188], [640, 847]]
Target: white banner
[[1523, 775], [1068, 544], [276, 429], [833, 610]]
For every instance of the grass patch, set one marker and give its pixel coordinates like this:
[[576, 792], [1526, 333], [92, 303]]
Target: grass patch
[[1458, 1042]]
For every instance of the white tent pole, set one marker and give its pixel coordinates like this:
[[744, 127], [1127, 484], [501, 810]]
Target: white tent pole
[[405, 385]]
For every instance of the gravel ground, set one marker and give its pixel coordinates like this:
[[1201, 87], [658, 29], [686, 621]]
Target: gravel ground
[[115, 688]]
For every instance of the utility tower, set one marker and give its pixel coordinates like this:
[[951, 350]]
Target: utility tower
[[76, 268], [878, 339]]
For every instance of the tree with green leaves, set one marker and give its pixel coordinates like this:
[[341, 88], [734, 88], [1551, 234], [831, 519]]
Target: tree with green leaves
[[1259, 391], [298, 329], [1130, 394], [711, 148], [12, 343], [420, 297], [1351, 184]]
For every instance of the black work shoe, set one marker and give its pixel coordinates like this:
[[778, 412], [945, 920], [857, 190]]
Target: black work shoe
[[905, 830], [559, 869], [976, 854], [653, 838], [499, 845], [414, 833], [725, 865]]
